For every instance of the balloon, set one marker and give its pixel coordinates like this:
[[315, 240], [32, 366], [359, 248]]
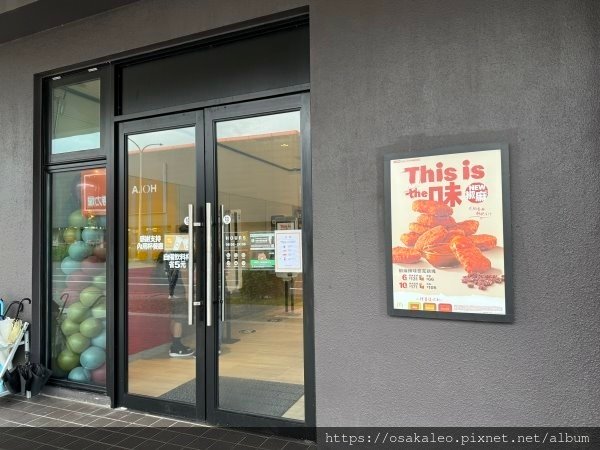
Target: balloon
[[71, 235], [99, 375], [76, 280], [90, 295], [79, 250], [68, 265], [92, 235], [80, 374], [93, 266], [77, 312], [76, 219], [69, 327], [77, 342], [57, 371], [91, 327], [67, 360], [100, 341], [99, 310], [92, 358], [100, 252], [100, 281]]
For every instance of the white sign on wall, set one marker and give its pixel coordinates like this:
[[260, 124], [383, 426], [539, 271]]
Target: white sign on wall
[[288, 251]]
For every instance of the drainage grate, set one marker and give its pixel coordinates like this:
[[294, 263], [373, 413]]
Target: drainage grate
[[274, 320], [247, 331]]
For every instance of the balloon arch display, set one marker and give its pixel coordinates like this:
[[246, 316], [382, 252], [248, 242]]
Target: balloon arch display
[[79, 294]]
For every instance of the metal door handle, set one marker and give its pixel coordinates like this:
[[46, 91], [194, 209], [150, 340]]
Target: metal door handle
[[209, 268], [190, 290], [222, 264]]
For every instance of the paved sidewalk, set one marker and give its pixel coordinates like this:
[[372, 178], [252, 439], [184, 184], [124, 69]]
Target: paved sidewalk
[[49, 423]]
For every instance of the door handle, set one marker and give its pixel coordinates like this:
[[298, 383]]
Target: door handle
[[209, 267], [222, 264], [190, 290]]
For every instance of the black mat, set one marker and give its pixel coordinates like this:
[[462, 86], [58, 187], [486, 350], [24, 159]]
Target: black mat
[[265, 398]]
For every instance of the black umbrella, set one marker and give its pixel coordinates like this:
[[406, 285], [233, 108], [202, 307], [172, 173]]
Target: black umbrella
[[12, 381], [26, 377]]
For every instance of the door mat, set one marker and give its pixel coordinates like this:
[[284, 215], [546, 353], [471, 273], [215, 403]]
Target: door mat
[[265, 398]]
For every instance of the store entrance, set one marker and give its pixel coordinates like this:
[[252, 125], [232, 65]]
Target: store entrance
[[211, 270]]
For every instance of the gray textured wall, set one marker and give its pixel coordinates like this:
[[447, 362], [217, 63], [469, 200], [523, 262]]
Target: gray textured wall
[[415, 74], [404, 74]]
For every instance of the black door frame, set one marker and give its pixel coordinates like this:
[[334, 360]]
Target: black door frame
[[207, 338], [297, 102], [123, 398]]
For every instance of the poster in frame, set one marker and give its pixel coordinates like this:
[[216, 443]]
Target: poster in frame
[[448, 233]]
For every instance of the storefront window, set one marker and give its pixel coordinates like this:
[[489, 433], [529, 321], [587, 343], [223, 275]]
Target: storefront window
[[76, 117], [77, 276]]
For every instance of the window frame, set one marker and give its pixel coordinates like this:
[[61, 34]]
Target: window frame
[[45, 164], [93, 73]]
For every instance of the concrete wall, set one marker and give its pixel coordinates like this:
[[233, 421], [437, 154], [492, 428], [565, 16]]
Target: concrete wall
[[403, 74], [416, 74]]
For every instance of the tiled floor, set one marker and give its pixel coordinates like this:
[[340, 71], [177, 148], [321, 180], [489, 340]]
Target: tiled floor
[[45, 422]]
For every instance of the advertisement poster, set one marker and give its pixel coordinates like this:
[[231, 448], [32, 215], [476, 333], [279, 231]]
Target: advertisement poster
[[448, 233], [262, 250], [93, 192]]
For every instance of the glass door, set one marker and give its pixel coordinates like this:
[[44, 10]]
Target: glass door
[[216, 286], [164, 343], [257, 371]]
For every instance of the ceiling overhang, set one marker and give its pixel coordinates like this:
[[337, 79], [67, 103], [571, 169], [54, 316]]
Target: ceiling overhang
[[19, 18]]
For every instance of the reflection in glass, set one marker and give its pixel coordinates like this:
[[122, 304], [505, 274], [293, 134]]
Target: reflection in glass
[[161, 183], [78, 276], [76, 117], [261, 360]]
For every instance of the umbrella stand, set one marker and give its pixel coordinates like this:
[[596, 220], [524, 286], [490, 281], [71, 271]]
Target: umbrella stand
[[22, 339]]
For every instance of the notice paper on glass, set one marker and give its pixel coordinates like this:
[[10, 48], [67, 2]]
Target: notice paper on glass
[[288, 251]]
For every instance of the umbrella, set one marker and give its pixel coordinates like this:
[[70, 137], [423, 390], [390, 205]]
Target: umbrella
[[26, 377]]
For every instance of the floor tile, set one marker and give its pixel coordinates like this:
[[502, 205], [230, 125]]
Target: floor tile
[[296, 446], [100, 422], [182, 439], [273, 444], [164, 423], [253, 440], [131, 442], [147, 420], [220, 445], [84, 426], [201, 443]]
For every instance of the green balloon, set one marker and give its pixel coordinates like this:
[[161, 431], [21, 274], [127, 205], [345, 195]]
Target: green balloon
[[76, 219], [89, 295], [77, 312], [99, 310], [69, 327], [77, 343], [67, 360], [91, 327], [100, 281], [71, 235], [57, 372]]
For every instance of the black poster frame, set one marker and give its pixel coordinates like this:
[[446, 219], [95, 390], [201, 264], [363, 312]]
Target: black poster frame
[[506, 225]]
